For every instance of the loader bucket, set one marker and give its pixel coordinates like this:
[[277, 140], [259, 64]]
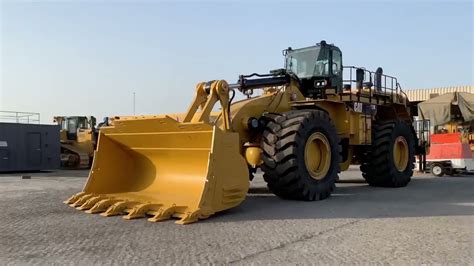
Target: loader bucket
[[161, 168]]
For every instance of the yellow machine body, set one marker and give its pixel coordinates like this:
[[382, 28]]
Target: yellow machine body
[[192, 165]]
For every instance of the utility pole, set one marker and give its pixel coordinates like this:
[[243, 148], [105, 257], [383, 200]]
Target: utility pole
[[133, 103]]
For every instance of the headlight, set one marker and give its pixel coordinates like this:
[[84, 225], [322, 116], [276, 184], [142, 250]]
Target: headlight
[[320, 83]]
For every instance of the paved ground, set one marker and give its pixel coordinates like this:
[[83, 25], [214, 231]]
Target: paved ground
[[430, 221]]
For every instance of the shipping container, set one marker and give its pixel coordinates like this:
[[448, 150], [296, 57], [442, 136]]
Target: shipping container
[[29, 147]]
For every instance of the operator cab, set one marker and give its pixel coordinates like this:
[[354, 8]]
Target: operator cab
[[317, 67], [72, 124]]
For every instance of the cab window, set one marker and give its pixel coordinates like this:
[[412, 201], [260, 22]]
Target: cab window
[[72, 125], [336, 62], [322, 64]]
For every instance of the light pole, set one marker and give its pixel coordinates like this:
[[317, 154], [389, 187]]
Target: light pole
[[133, 103]]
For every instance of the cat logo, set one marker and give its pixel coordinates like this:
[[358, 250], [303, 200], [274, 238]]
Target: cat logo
[[358, 107]]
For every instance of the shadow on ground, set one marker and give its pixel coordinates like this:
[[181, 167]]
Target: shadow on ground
[[423, 197]]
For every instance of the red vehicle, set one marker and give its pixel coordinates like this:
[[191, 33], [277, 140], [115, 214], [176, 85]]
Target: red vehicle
[[449, 154]]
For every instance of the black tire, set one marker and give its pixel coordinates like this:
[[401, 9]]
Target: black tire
[[283, 145], [378, 167], [437, 169]]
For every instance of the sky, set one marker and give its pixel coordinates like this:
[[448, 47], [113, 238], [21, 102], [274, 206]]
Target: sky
[[88, 57]]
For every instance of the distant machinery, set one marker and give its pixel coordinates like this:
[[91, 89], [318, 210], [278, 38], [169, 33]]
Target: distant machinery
[[78, 140]]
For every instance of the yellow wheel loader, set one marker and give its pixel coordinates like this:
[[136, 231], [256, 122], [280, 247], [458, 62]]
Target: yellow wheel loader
[[301, 125], [78, 140]]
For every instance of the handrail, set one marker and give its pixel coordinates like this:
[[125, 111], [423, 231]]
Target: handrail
[[388, 85], [20, 117]]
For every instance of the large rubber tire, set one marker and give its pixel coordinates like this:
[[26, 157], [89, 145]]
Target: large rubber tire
[[379, 168], [283, 144]]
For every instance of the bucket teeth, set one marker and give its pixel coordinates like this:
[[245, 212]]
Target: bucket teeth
[[110, 206], [141, 210], [189, 217], [74, 198], [163, 214], [118, 208], [90, 202], [102, 205], [82, 199]]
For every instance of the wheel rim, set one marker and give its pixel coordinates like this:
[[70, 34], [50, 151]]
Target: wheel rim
[[317, 155], [400, 153], [437, 170]]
